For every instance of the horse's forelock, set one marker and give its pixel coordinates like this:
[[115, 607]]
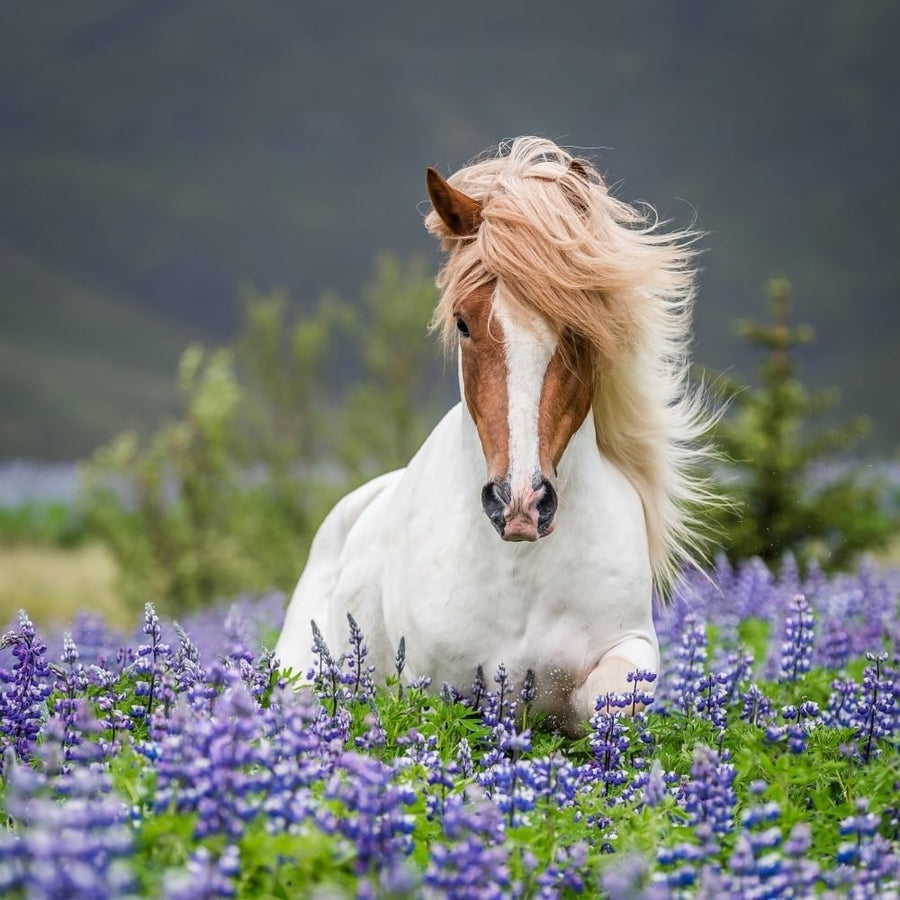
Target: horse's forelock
[[563, 246]]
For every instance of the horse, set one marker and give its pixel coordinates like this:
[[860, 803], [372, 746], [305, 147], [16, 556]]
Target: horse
[[541, 514]]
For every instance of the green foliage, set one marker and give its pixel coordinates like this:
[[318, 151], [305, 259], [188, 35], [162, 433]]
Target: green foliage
[[389, 411], [174, 512], [227, 497], [770, 450], [57, 524]]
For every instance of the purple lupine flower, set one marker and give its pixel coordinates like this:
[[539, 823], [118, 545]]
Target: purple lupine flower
[[150, 661], [797, 647], [556, 780], [877, 709], [567, 872], [833, 650], [509, 780], [640, 698], [237, 640], [709, 796], [68, 836], [375, 735], [501, 704], [472, 862], [711, 701], [363, 686], [800, 872], [374, 817], [464, 758], [400, 664], [867, 862], [628, 878], [419, 749], [680, 864], [505, 776], [761, 814], [479, 689], [190, 677], [733, 670], [656, 785], [205, 877], [331, 679], [529, 691], [299, 757], [109, 698], [261, 674], [840, 710], [870, 709], [71, 682], [24, 690], [761, 864], [215, 766], [94, 639], [800, 720], [609, 740], [756, 707], [440, 776], [861, 826], [689, 666]]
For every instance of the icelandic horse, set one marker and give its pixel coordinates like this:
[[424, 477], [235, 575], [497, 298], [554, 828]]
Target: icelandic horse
[[531, 527]]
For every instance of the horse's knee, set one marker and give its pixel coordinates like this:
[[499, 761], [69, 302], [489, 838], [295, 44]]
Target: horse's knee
[[611, 676]]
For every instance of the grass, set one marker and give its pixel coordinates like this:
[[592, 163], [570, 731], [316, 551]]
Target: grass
[[55, 583], [890, 555]]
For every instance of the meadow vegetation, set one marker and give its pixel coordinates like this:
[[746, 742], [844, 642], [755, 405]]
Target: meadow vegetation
[[180, 762]]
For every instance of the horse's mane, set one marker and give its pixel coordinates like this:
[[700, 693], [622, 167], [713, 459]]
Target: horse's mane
[[605, 271]]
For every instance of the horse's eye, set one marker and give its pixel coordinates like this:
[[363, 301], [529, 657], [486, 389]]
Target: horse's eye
[[461, 327]]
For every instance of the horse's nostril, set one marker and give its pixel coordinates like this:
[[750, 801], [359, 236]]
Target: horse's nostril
[[546, 506], [494, 498]]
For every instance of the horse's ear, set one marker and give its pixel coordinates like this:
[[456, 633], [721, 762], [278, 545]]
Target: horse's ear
[[575, 192], [458, 211], [577, 166]]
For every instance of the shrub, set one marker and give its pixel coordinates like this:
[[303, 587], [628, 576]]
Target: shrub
[[273, 431]]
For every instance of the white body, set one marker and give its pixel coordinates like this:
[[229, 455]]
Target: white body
[[411, 554]]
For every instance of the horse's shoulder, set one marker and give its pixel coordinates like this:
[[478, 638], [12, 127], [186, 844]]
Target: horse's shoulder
[[337, 526], [354, 504]]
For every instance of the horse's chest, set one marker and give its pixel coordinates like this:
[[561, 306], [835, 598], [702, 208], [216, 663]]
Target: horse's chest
[[517, 610], [461, 597]]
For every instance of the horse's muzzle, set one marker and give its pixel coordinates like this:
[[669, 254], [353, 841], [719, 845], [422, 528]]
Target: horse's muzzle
[[524, 516]]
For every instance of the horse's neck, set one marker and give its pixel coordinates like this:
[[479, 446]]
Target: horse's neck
[[581, 453]]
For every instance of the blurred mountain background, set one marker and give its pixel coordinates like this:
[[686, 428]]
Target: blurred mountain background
[[155, 156]]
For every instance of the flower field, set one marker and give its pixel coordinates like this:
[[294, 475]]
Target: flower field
[[180, 763]]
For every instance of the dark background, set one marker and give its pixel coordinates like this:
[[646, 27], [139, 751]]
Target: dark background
[[154, 156]]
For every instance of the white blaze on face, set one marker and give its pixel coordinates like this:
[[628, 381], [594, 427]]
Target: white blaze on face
[[529, 347]]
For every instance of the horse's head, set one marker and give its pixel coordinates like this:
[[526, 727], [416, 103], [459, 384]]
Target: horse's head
[[528, 386]]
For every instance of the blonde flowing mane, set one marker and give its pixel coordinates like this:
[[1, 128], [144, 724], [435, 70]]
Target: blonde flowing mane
[[606, 272]]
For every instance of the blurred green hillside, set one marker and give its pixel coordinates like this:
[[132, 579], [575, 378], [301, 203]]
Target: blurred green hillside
[[156, 156]]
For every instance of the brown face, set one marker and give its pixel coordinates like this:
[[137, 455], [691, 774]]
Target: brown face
[[528, 391]]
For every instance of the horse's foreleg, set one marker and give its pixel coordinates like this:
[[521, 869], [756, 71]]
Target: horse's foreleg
[[610, 676]]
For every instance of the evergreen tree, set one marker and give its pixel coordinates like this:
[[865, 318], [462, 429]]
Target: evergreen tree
[[783, 501]]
